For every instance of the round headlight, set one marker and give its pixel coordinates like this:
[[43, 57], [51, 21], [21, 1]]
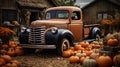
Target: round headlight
[[54, 30], [28, 30]]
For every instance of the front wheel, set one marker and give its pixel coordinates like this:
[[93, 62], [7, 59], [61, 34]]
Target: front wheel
[[63, 46]]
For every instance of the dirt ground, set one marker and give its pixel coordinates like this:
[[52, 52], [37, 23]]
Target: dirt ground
[[44, 58]]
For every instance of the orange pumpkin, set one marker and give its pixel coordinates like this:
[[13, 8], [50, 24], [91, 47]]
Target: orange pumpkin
[[11, 64], [18, 50], [104, 61], [77, 47], [82, 59], [112, 42], [2, 61], [66, 53], [16, 62], [12, 44], [116, 58], [72, 48], [5, 46], [11, 52], [84, 44], [7, 58], [3, 51], [88, 53], [73, 59]]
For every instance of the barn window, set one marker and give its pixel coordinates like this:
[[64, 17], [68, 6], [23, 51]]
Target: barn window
[[102, 15]]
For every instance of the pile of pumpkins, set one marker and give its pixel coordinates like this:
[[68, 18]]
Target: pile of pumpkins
[[12, 49], [88, 55], [7, 61]]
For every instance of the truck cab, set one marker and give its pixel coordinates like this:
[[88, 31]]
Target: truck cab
[[61, 28]]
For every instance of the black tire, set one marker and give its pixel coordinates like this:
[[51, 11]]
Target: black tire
[[29, 50], [63, 45]]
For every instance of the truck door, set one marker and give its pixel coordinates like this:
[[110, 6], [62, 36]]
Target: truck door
[[76, 25]]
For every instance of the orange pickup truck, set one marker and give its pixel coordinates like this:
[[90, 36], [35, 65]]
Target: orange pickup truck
[[62, 27]]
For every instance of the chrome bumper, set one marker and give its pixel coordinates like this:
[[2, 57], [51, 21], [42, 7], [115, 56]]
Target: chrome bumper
[[38, 46]]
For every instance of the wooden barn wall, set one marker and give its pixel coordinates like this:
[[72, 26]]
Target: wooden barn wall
[[8, 4], [90, 13]]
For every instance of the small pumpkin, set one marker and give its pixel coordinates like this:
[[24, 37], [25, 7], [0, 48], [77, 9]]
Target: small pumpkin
[[11, 52], [82, 59], [16, 62], [19, 50], [84, 44], [3, 51], [72, 48], [2, 61], [77, 47], [89, 63], [12, 44], [74, 59], [116, 59], [7, 58], [81, 54], [11, 64], [4, 46], [66, 53], [104, 61], [112, 42], [94, 55], [88, 53]]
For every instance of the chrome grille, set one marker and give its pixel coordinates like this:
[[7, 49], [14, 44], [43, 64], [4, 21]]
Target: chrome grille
[[36, 36]]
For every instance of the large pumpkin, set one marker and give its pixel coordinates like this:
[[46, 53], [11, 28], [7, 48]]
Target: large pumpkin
[[89, 63], [104, 61]]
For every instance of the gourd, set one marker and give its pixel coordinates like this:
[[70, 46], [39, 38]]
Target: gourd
[[89, 63]]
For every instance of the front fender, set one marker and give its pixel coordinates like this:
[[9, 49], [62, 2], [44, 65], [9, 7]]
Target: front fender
[[56, 38], [94, 31]]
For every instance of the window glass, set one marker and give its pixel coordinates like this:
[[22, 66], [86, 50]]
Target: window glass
[[60, 14], [76, 15]]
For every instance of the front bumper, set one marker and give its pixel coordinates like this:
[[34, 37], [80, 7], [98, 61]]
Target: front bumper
[[38, 46]]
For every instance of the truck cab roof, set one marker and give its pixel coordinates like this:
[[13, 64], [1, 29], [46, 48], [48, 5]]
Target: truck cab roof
[[69, 8]]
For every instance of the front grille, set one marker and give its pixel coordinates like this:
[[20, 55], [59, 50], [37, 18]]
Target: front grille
[[36, 36]]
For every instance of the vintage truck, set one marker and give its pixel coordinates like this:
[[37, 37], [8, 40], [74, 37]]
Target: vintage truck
[[62, 27]]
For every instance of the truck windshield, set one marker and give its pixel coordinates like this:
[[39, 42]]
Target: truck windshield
[[60, 14]]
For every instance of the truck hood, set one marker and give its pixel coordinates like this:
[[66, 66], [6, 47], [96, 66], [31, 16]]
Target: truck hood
[[52, 22]]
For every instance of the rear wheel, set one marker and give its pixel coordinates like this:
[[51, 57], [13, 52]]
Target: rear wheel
[[63, 46]]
